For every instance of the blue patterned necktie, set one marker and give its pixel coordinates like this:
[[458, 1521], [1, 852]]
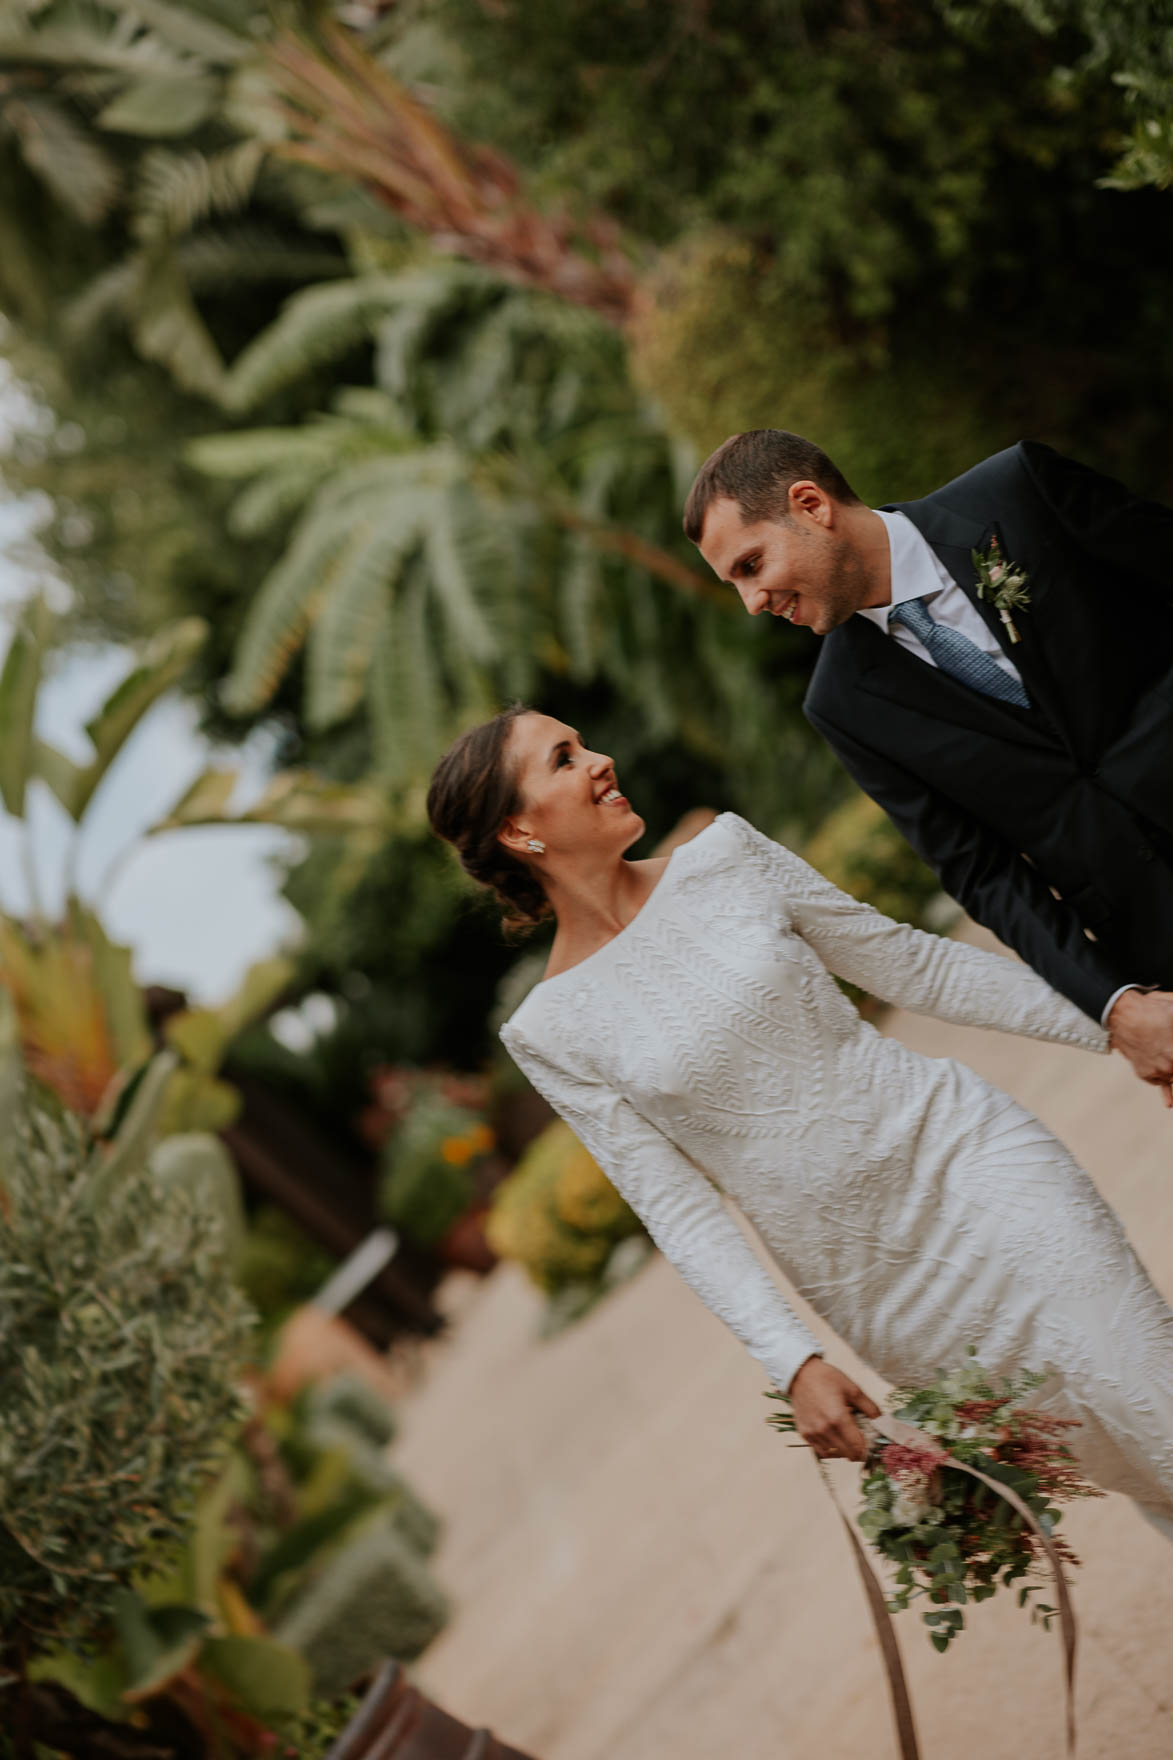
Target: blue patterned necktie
[[957, 655]]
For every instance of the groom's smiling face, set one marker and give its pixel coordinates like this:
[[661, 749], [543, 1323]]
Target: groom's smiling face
[[805, 568]]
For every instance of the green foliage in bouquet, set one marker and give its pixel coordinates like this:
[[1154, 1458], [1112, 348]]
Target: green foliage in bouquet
[[951, 1538], [559, 1216], [121, 1340], [429, 1163]]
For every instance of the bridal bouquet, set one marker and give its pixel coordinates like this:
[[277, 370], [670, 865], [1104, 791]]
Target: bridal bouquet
[[951, 1538]]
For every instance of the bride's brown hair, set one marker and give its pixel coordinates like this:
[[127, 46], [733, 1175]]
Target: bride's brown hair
[[473, 791]]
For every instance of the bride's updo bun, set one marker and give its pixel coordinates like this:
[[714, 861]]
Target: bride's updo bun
[[472, 793]]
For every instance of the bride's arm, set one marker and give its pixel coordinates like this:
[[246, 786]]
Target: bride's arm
[[681, 1210], [926, 973]]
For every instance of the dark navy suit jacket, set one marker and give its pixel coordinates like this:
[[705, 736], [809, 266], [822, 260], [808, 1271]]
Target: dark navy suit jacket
[[1052, 825]]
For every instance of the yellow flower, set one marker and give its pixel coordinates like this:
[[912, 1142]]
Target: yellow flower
[[456, 1151]]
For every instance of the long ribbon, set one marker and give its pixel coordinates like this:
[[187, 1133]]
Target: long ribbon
[[897, 1431]]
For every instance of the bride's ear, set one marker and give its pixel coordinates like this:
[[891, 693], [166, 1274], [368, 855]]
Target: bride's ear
[[514, 838]]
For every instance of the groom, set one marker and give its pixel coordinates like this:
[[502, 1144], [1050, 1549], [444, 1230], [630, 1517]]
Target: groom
[[998, 674]]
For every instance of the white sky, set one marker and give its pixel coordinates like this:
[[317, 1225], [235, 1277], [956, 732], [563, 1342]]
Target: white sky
[[197, 906]]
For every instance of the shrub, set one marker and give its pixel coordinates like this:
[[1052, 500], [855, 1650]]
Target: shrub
[[121, 1338], [280, 1265], [374, 1598], [859, 849], [558, 1214], [723, 345], [428, 1180]]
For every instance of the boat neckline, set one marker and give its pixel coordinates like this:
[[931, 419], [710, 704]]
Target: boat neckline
[[569, 972]]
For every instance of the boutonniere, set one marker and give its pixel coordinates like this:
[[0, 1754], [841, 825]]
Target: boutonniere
[[1002, 583]]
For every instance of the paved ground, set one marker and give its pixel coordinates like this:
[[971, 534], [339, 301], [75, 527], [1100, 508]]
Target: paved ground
[[643, 1570]]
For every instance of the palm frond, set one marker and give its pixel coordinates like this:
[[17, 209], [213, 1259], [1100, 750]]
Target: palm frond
[[317, 325], [406, 695], [343, 638], [580, 592], [80, 44], [23, 273], [175, 191], [322, 323], [183, 28], [167, 328], [219, 257], [110, 294], [346, 113], [446, 512], [64, 155], [162, 104], [313, 447], [284, 607]]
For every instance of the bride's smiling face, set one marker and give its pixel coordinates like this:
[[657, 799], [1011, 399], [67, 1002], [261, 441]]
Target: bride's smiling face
[[570, 795]]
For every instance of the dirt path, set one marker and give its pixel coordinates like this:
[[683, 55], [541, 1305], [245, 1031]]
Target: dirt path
[[642, 1570]]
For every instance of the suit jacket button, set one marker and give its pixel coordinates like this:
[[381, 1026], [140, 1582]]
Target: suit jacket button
[[1145, 853]]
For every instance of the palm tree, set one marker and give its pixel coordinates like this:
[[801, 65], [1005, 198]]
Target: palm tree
[[143, 114], [80, 1016], [344, 112], [490, 510]]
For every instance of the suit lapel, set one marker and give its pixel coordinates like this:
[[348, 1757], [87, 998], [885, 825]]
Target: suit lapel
[[953, 539], [883, 668]]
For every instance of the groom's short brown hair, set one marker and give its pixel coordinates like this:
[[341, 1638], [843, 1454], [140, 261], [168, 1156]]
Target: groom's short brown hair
[[756, 469]]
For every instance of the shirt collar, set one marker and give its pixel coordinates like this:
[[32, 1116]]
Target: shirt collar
[[917, 571]]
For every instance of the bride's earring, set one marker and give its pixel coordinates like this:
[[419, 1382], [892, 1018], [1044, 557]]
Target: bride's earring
[[536, 847]]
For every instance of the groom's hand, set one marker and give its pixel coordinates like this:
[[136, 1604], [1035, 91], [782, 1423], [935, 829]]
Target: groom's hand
[[1141, 1029], [822, 1399]]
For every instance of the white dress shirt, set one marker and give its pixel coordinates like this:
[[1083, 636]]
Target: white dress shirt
[[918, 573]]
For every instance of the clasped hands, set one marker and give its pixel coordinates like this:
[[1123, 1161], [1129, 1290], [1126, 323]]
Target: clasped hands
[[1140, 1027]]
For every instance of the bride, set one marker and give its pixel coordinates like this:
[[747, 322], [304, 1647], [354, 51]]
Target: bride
[[688, 1029]]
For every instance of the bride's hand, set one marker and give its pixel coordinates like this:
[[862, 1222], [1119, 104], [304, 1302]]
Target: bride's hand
[[822, 1399]]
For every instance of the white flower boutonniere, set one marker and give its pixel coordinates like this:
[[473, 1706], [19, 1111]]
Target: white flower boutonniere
[[1002, 583]]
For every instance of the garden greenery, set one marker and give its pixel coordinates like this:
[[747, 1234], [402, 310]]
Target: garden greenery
[[121, 1338]]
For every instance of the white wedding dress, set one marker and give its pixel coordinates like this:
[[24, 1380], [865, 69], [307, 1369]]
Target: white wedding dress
[[706, 1049]]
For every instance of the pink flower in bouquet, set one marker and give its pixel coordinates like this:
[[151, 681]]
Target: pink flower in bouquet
[[903, 1460]]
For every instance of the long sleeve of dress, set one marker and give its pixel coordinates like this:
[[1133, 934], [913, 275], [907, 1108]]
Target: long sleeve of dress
[[681, 1210], [926, 973]]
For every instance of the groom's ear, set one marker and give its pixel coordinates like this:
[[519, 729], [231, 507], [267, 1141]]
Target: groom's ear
[[806, 497]]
